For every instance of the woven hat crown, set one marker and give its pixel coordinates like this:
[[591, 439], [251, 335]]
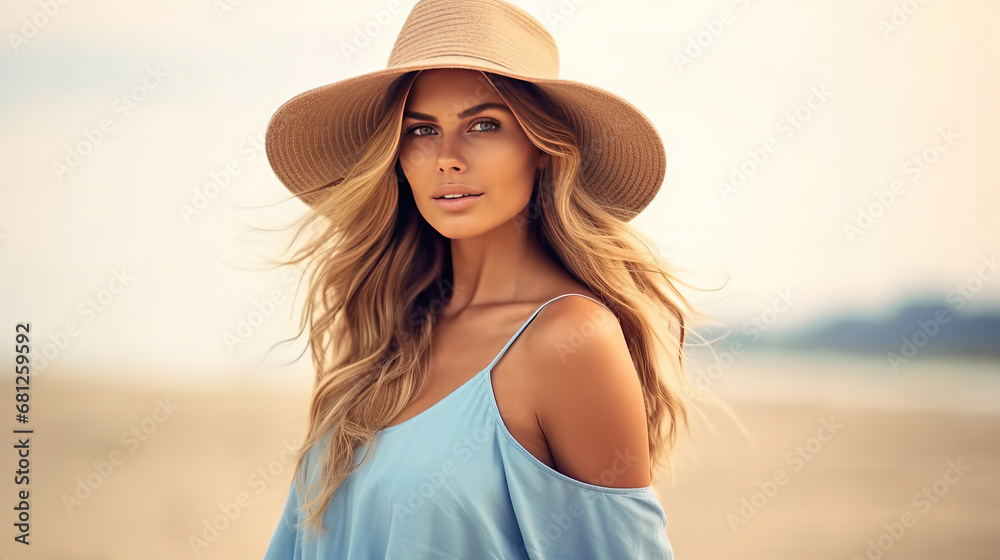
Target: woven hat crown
[[487, 33]]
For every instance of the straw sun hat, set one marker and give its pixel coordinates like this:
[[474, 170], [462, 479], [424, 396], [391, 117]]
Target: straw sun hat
[[313, 139]]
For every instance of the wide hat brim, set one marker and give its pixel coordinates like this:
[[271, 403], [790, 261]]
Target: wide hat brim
[[313, 139]]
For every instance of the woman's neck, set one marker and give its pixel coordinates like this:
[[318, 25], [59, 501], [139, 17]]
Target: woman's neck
[[504, 265]]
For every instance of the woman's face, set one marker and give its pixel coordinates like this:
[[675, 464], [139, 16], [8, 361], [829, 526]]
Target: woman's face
[[457, 132]]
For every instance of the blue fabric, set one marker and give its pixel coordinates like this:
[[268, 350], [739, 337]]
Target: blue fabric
[[452, 483]]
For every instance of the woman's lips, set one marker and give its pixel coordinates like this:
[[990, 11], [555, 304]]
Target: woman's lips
[[458, 203]]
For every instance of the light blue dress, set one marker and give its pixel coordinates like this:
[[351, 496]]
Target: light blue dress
[[452, 483]]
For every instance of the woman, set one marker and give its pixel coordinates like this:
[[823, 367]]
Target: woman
[[459, 196]]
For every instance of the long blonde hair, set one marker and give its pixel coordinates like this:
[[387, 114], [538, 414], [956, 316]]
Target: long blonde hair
[[378, 275]]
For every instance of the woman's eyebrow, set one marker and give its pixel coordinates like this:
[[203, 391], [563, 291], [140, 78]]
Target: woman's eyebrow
[[466, 113]]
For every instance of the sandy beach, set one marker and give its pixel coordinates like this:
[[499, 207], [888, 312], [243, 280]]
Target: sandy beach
[[124, 471]]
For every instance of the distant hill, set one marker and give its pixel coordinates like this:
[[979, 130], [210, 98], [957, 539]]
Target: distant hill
[[929, 328]]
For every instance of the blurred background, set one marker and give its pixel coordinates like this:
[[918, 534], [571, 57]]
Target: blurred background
[[829, 169]]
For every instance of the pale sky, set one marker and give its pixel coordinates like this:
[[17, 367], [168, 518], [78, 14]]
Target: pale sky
[[838, 106]]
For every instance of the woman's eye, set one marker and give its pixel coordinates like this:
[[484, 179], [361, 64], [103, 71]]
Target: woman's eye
[[491, 126], [421, 127]]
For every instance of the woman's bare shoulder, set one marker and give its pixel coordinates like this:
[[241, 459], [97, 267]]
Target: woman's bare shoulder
[[589, 401]]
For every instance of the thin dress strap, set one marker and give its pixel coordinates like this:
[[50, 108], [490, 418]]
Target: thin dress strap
[[513, 338]]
